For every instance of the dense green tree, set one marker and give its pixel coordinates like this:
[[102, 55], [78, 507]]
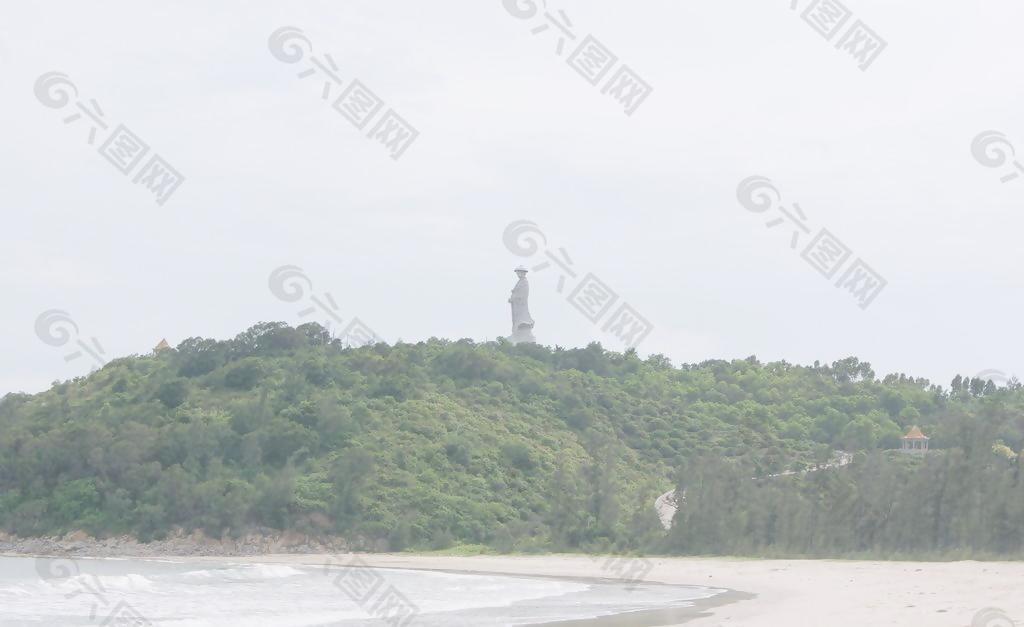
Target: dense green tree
[[245, 375], [520, 447], [173, 393]]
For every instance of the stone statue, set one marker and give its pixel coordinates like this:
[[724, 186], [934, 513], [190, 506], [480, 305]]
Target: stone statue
[[522, 323]]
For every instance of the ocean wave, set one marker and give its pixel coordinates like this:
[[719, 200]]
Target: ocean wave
[[252, 572], [109, 583], [17, 591], [81, 584]]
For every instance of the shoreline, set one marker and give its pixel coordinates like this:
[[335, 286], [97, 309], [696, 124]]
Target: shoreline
[[758, 592], [665, 617], [773, 593]]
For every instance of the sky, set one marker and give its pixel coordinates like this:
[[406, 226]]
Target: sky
[[514, 121]]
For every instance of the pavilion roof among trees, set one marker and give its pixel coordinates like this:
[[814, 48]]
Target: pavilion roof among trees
[[915, 434]]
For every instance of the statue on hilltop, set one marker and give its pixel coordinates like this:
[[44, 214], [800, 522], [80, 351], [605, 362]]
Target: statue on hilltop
[[522, 323]]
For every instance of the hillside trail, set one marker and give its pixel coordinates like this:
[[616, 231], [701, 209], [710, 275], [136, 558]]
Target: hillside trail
[[667, 504]]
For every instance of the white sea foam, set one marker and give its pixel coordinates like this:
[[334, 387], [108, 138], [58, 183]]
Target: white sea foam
[[245, 595], [79, 585], [17, 591], [108, 583], [246, 572]]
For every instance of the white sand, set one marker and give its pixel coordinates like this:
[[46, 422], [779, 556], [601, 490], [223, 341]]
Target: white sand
[[789, 592]]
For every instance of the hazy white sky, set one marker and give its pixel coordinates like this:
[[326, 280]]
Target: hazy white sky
[[509, 131]]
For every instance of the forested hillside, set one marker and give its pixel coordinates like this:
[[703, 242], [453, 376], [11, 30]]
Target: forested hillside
[[516, 447]]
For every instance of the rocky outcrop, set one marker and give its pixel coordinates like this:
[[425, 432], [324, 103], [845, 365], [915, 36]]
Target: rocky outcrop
[[666, 506]]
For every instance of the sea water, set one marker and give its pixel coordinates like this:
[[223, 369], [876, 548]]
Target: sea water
[[180, 593]]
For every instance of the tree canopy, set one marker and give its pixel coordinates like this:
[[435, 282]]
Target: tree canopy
[[516, 447]]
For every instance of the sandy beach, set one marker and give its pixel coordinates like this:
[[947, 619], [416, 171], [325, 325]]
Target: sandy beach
[[837, 593]]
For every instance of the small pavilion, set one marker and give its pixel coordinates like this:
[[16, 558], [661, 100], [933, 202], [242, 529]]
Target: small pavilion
[[914, 442], [162, 346]]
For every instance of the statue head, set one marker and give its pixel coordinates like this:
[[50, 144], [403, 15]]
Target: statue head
[[521, 271]]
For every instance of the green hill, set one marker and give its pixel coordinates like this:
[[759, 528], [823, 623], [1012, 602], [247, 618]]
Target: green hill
[[516, 447]]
